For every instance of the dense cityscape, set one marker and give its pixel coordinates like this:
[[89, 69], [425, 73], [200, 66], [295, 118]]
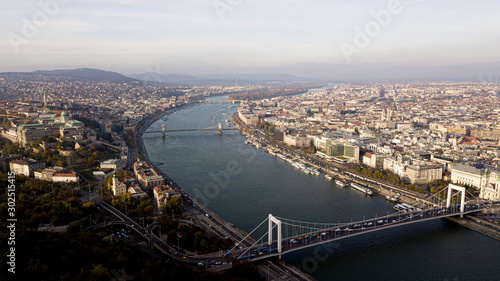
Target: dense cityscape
[[250, 140], [78, 144]]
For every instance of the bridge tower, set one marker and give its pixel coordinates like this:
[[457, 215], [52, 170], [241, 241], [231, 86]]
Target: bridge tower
[[163, 131], [220, 129], [272, 220], [462, 201]]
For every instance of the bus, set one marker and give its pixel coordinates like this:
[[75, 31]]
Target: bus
[[272, 250], [244, 257]]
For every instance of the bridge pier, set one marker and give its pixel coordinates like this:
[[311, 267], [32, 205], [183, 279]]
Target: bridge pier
[[163, 131], [462, 201], [220, 129], [272, 220]]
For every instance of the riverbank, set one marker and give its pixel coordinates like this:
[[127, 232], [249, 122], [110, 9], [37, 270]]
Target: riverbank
[[477, 225]]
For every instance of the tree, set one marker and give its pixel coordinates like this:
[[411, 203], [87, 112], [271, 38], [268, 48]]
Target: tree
[[149, 210], [89, 205], [165, 221], [99, 272], [127, 199], [108, 182], [176, 204], [123, 174], [115, 203]]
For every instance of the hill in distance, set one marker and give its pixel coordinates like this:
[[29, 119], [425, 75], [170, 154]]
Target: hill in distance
[[80, 74], [183, 78]]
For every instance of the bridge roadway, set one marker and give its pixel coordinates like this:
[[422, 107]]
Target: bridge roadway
[[191, 130], [319, 237], [220, 101]]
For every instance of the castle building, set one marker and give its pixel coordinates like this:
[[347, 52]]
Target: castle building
[[61, 126]]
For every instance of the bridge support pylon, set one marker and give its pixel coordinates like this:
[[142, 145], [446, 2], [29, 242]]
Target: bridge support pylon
[[462, 201], [272, 220], [163, 131], [220, 129]]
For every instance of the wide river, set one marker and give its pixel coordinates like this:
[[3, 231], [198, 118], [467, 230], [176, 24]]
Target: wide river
[[244, 185]]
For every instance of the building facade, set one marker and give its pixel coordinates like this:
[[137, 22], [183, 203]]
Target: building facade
[[147, 176], [485, 180], [343, 150], [115, 164], [26, 167], [162, 194], [467, 175], [118, 187]]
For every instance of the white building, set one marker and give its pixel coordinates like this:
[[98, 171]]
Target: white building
[[65, 176], [416, 172], [487, 182], [115, 164], [298, 141], [491, 187], [26, 167], [467, 175], [118, 187]]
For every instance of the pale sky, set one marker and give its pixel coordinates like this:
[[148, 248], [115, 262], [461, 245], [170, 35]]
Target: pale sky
[[357, 39]]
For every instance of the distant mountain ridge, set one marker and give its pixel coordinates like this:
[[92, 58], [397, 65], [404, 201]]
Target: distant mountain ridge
[[80, 74], [164, 78], [97, 75], [188, 78]]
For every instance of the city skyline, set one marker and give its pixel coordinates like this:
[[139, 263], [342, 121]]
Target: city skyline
[[358, 40]]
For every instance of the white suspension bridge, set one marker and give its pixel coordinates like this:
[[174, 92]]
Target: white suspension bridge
[[292, 235]]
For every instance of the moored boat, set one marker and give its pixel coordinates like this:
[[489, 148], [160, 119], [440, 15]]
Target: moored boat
[[340, 182], [361, 189], [393, 198]]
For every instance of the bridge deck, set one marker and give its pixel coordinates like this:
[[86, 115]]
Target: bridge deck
[[303, 241], [192, 130]]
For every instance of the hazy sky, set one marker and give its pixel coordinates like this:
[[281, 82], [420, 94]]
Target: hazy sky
[[363, 39]]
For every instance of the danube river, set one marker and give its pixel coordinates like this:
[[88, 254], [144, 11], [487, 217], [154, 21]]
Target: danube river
[[243, 185]]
